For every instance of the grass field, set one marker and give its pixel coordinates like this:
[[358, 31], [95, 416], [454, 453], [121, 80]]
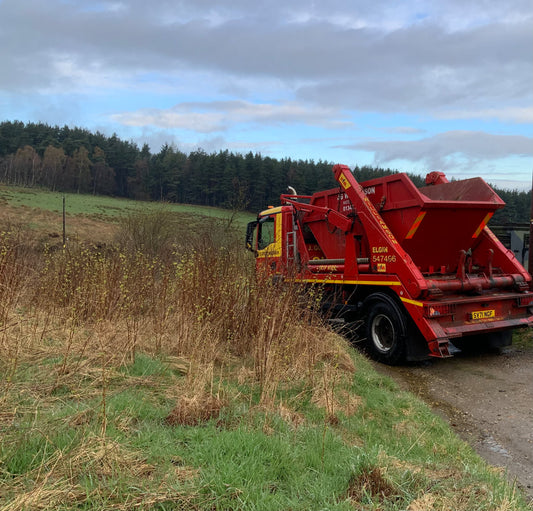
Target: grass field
[[101, 206], [156, 371]]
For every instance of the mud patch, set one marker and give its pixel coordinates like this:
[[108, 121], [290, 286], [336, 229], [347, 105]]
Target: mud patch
[[371, 484]]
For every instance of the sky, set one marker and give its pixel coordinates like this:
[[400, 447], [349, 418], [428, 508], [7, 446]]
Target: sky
[[411, 85]]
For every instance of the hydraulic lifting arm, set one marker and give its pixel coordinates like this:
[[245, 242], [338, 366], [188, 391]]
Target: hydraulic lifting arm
[[386, 254]]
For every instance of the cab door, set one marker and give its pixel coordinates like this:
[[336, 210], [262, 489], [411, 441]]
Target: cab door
[[264, 238]]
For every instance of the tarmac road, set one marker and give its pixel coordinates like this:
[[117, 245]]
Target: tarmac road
[[488, 400]]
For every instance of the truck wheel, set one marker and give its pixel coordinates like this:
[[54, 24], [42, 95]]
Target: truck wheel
[[386, 329]]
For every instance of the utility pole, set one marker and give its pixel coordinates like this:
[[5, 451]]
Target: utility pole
[[64, 225]]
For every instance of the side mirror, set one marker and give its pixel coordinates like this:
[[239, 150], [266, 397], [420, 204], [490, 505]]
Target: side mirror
[[250, 229]]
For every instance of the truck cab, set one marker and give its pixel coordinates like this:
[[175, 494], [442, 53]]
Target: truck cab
[[268, 237]]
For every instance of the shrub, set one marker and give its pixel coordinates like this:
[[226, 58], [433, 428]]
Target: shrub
[[151, 233]]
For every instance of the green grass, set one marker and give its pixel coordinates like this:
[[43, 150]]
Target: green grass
[[385, 454], [523, 339], [103, 207]]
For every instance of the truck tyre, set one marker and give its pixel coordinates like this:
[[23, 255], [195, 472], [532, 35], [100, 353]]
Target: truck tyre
[[386, 329]]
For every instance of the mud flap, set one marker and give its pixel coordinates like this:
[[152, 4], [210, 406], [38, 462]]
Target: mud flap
[[417, 347]]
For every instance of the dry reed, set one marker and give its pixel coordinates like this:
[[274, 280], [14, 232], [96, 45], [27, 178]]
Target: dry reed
[[96, 307]]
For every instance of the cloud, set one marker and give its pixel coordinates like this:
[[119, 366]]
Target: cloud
[[521, 115], [444, 150], [208, 117], [174, 118], [425, 67], [354, 56], [403, 130]]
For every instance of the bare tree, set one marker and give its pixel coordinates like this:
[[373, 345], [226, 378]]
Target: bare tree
[[26, 164], [54, 160]]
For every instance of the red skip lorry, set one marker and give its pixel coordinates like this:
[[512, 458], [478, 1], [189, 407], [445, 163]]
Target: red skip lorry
[[419, 266]]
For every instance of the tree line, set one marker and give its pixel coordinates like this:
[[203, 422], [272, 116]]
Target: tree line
[[77, 160]]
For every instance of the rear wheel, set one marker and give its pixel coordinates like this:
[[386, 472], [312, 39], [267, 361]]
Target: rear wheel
[[386, 329]]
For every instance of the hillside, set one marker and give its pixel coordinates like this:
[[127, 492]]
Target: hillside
[[92, 218], [148, 368], [76, 160]]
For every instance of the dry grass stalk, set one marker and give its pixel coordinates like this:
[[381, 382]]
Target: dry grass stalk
[[48, 496], [195, 410], [56, 482], [202, 306], [423, 503], [95, 309]]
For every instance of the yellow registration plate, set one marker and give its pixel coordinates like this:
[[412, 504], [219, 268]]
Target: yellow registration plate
[[484, 314]]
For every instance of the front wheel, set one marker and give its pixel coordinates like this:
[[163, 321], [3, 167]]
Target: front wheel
[[386, 329]]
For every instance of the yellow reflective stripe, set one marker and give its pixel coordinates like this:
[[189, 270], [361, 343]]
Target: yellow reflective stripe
[[416, 225], [488, 216], [362, 282], [412, 302]]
